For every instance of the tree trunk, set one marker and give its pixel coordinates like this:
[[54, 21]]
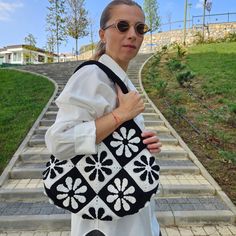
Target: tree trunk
[[76, 48], [151, 41]]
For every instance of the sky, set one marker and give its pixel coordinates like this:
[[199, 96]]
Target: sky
[[18, 18]]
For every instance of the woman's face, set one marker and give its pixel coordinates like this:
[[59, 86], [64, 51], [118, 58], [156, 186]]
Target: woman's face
[[123, 46]]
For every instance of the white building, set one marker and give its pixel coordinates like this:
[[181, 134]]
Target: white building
[[22, 54]]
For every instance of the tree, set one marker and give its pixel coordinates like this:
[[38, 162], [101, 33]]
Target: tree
[[77, 21], [30, 42], [56, 20], [50, 47], [51, 43], [151, 14]]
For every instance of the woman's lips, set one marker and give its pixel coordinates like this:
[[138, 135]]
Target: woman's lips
[[130, 46]]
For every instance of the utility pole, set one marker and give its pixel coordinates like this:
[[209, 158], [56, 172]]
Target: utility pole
[[203, 20], [185, 19], [189, 14]]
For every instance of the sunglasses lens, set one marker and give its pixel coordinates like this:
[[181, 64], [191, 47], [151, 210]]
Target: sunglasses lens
[[142, 28], [122, 26]]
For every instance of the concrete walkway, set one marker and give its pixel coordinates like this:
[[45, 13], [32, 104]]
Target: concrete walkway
[[190, 201]]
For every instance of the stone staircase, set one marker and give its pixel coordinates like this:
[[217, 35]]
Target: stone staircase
[[190, 202]]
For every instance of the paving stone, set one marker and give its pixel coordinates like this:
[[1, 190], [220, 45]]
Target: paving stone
[[58, 233], [163, 232], [198, 231], [223, 230], [27, 233], [211, 230], [185, 231], [65, 233], [41, 234], [232, 229], [173, 232], [175, 162]]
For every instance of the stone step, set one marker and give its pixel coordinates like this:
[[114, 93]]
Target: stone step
[[158, 129], [49, 122], [183, 211], [41, 154], [53, 108], [34, 170], [147, 115], [190, 230], [39, 139], [41, 130], [148, 108], [187, 185]]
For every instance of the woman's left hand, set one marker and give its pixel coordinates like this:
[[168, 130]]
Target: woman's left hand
[[151, 140]]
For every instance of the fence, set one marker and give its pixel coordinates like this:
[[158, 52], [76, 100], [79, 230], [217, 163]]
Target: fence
[[197, 21]]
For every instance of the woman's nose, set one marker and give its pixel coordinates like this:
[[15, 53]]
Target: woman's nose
[[131, 32]]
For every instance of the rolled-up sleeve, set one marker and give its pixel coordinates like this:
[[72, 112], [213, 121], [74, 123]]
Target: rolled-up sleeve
[[89, 94]]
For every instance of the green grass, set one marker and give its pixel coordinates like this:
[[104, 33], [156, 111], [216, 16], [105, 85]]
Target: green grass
[[22, 98], [216, 63]]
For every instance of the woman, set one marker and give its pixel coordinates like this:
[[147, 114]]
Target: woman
[[91, 107]]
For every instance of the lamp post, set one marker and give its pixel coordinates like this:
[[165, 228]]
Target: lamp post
[[203, 20], [185, 19], [189, 13]]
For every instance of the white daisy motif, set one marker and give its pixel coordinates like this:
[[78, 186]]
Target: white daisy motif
[[72, 192], [121, 195], [126, 142]]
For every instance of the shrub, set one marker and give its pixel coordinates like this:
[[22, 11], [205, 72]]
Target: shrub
[[180, 50], [198, 38], [179, 110], [231, 37], [176, 97], [160, 87], [174, 65], [184, 78]]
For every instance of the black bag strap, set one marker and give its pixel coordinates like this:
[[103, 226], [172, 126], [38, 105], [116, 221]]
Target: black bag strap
[[108, 72]]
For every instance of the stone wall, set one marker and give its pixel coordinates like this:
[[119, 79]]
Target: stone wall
[[214, 31]]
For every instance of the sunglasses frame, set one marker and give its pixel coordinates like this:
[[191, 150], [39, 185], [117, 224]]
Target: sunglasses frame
[[115, 25]]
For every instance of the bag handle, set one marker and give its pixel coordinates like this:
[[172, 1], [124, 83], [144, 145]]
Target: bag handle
[[108, 72]]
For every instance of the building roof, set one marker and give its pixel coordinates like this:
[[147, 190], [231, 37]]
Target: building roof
[[25, 46]]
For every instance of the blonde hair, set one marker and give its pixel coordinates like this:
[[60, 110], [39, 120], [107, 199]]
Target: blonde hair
[[105, 17]]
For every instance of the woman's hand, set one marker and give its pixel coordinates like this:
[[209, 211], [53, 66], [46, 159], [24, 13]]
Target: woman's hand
[[152, 141], [129, 105]]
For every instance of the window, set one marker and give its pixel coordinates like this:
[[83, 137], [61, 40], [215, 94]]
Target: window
[[16, 56], [41, 58]]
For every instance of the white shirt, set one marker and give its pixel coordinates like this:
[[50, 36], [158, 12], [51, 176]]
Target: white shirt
[[90, 94]]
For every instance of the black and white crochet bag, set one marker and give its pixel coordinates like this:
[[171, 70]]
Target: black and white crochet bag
[[117, 181]]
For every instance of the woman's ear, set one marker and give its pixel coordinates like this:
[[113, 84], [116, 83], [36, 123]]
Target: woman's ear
[[102, 35]]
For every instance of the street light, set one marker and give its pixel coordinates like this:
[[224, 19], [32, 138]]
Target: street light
[[185, 18], [189, 13], [203, 20]]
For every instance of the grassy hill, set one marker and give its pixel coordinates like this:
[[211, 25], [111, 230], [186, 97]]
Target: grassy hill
[[195, 89], [22, 98]]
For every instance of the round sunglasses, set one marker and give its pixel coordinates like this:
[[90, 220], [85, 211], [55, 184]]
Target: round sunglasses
[[123, 26]]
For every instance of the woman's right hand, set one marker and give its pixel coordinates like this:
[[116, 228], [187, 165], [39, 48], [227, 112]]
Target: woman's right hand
[[129, 105]]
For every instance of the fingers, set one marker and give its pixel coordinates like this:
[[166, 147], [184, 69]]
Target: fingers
[[152, 141], [148, 133]]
